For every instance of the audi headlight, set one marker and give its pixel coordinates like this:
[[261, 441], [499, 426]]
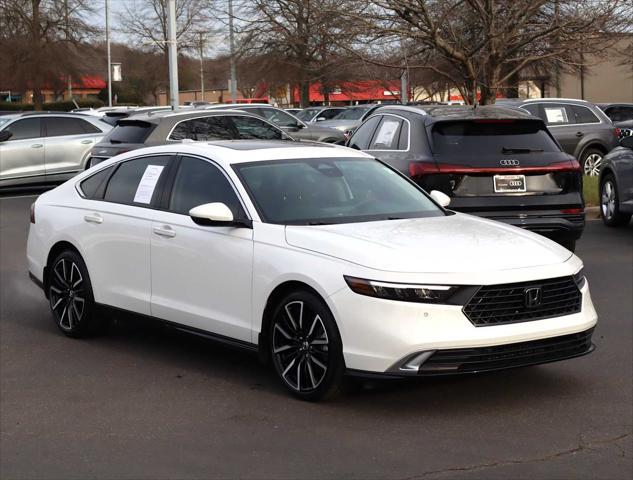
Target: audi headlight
[[579, 278], [401, 291]]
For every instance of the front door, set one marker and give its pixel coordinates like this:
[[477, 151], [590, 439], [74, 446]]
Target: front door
[[22, 155], [68, 141], [201, 276]]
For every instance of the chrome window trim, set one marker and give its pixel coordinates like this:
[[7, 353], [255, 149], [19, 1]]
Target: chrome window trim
[[248, 115], [408, 136], [599, 122]]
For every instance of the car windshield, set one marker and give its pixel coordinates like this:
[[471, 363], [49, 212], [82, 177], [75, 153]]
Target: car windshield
[[351, 114], [307, 114], [322, 191]]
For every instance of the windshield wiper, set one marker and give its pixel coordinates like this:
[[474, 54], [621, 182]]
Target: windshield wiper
[[521, 150], [320, 223]]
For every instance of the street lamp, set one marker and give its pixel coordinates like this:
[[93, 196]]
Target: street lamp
[[107, 26]]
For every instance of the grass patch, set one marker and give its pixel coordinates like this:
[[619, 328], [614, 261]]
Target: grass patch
[[590, 191]]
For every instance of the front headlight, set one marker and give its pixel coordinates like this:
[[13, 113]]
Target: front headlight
[[579, 278], [401, 291]]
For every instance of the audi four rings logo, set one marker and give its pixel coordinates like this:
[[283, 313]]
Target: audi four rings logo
[[533, 297], [510, 163]]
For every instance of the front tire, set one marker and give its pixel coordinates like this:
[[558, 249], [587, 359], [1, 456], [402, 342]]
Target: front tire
[[610, 205], [70, 296], [305, 347]]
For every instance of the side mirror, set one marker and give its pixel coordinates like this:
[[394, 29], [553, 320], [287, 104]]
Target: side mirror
[[216, 215], [441, 198], [5, 135], [626, 142]]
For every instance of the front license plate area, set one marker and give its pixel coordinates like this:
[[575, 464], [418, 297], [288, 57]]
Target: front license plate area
[[509, 183]]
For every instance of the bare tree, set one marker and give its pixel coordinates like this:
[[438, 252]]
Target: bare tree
[[487, 43], [39, 41], [302, 34]]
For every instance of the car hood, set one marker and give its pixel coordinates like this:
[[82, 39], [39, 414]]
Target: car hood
[[454, 243], [324, 129]]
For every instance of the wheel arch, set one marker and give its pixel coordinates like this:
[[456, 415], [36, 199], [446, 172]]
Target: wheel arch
[[274, 297], [593, 144], [55, 250]]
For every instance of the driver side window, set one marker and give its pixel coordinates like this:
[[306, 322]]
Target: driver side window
[[198, 182]]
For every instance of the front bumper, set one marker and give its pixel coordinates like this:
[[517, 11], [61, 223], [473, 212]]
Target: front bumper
[[381, 336]]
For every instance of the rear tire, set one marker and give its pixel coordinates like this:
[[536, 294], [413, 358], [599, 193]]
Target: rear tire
[[70, 295], [610, 205], [305, 347], [591, 162]]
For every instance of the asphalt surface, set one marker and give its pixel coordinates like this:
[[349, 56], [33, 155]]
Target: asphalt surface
[[147, 402]]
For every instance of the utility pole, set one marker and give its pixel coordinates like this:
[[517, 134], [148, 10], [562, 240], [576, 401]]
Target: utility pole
[[201, 66], [233, 83], [107, 25], [173, 54], [70, 83]]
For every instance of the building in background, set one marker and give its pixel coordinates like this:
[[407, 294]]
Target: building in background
[[84, 88]]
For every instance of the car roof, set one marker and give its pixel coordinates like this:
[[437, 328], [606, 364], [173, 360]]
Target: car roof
[[157, 117], [557, 100], [231, 152], [436, 113]]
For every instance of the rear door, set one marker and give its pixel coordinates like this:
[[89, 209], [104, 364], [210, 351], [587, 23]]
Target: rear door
[[116, 220], [22, 155], [390, 141], [68, 141]]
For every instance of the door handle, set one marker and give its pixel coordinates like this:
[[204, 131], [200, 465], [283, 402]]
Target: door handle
[[86, 142], [93, 218], [37, 145], [579, 134], [165, 231]]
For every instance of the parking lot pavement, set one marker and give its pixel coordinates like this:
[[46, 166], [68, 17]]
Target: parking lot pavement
[[147, 402]]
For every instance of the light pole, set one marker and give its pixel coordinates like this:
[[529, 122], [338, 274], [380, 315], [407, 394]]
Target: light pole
[[107, 26], [233, 83], [201, 66], [173, 54]]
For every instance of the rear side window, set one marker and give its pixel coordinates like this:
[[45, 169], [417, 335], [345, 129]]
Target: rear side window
[[361, 138], [62, 126], [23, 129], [278, 117], [92, 187], [131, 131], [198, 182], [584, 115], [388, 134], [462, 138], [205, 128], [620, 113], [329, 113], [134, 182]]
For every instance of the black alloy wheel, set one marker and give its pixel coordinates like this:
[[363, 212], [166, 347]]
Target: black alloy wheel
[[306, 347], [70, 296]]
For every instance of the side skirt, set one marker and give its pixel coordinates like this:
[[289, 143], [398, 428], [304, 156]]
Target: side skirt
[[110, 311]]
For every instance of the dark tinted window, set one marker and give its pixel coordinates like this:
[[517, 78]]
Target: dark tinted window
[[620, 113], [125, 185], [59, 126], [23, 129], [206, 128], [533, 109], [362, 135], [329, 113], [461, 139], [387, 134], [278, 117], [403, 142], [307, 113], [352, 113], [584, 115], [91, 186], [198, 182], [251, 127], [131, 131]]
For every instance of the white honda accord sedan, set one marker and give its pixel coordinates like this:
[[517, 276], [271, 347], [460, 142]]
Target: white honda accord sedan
[[321, 258]]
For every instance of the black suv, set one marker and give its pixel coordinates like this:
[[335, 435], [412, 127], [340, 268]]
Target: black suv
[[495, 162]]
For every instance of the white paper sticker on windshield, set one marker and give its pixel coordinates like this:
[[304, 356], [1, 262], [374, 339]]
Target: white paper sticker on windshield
[[147, 184], [387, 133], [556, 115]]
